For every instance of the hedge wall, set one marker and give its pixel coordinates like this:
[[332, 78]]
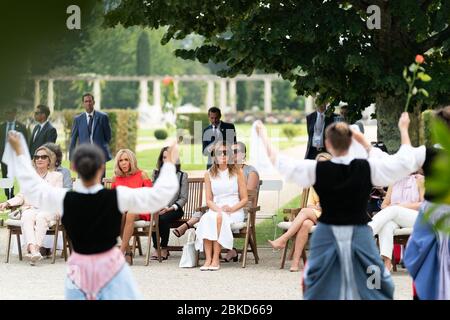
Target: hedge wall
[[425, 128]]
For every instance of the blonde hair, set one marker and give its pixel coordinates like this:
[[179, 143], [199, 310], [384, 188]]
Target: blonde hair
[[51, 157], [232, 167], [133, 163]]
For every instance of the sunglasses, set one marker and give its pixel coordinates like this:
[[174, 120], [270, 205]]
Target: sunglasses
[[37, 157]]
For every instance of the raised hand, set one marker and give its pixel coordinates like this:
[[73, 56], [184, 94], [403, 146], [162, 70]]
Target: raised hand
[[173, 153], [403, 122], [14, 140]]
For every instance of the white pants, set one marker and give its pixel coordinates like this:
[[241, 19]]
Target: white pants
[[35, 224], [386, 221]]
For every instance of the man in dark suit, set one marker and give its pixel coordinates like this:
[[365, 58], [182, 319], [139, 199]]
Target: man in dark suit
[[44, 131], [216, 131], [91, 127], [5, 127], [316, 124]]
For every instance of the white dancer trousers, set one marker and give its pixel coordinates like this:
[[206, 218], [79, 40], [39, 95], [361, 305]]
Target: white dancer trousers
[[386, 221]]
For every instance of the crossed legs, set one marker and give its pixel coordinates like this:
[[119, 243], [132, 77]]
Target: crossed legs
[[300, 229]]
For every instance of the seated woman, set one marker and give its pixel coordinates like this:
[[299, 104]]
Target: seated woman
[[305, 219], [127, 173], [226, 195], [400, 208], [35, 222], [67, 178], [252, 181], [174, 209]]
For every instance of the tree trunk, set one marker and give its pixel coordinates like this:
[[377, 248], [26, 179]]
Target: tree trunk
[[388, 111]]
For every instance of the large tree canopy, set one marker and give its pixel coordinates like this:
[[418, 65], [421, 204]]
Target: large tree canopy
[[321, 46]]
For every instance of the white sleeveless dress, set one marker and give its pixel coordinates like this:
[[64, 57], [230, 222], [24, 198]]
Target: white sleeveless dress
[[225, 191]]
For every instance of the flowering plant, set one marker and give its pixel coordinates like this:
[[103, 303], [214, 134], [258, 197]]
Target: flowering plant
[[411, 74]]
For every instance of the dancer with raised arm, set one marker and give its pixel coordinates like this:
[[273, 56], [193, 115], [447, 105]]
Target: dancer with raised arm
[[92, 217], [344, 262]]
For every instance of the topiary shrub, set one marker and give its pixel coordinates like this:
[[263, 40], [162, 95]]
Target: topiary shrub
[[161, 134], [291, 131]]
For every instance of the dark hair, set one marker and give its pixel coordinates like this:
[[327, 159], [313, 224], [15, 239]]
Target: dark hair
[[242, 146], [214, 110], [44, 109], [87, 159], [339, 135], [56, 149], [160, 162], [444, 115], [87, 95]]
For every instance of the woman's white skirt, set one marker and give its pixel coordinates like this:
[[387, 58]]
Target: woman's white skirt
[[207, 228]]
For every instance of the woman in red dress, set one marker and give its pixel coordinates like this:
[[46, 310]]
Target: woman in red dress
[[127, 173]]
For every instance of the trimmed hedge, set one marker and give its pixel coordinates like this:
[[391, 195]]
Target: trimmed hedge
[[425, 128], [161, 134], [124, 127]]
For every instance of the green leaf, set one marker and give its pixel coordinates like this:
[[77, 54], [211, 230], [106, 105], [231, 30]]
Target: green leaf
[[424, 77], [424, 92], [414, 91], [413, 67], [405, 73]]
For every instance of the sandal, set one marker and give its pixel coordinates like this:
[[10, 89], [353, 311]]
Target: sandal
[[177, 232]]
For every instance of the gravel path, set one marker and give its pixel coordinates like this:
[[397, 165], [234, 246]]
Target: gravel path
[[166, 280]]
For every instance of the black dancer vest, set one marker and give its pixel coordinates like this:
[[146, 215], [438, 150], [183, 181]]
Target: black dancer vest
[[92, 221], [343, 191], [430, 155]]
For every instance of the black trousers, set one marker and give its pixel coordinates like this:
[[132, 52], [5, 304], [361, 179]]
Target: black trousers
[[9, 193], [313, 152], [164, 226]]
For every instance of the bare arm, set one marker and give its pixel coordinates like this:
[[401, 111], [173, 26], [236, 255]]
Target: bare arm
[[387, 199], [243, 196], [252, 181]]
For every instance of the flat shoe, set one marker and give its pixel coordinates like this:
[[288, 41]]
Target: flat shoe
[[204, 268], [214, 268]]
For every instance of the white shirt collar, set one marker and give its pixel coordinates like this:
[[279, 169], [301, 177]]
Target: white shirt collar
[[43, 124], [343, 159], [90, 114], [79, 187]]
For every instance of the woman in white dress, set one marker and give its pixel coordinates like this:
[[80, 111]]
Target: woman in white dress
[[226, 195]]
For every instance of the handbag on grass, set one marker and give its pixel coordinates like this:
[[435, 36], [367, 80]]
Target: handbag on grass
[[189, 255]]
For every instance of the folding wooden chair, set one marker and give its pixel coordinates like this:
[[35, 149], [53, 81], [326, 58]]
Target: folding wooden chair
[[14, 227], [285, 225], [193, 204], [142, 228], [245, 229]]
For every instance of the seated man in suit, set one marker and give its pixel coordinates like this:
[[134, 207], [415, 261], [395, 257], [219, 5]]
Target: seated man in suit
[[216, 131], [44, 131], [91, 127], [316, 124], [10, 124]]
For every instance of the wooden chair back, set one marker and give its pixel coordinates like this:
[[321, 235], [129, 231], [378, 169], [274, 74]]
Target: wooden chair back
[[195, 197]]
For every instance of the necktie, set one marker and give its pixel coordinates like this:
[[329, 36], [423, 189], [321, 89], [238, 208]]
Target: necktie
[[90, 125], [10, 126], [37, 132]]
